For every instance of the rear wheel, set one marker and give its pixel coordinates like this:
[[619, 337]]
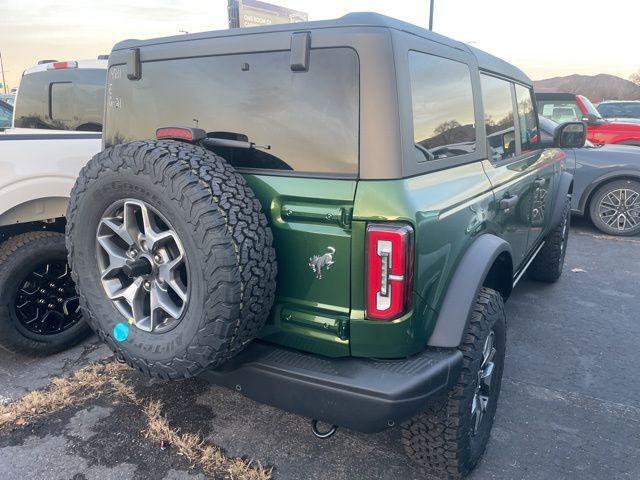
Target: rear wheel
[[39, 307], [549, 263], [450, 436], [172, 255], [615, 208]]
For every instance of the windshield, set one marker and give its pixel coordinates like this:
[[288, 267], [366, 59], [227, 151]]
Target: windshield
[[620, 109], [589, 106]]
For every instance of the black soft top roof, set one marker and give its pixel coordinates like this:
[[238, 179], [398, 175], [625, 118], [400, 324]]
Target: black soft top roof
[[366, 19], [555, 96]]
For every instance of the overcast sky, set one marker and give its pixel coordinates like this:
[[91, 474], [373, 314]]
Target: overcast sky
[[543, 37]]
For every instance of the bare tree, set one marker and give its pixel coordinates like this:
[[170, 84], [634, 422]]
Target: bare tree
[[635, 78]]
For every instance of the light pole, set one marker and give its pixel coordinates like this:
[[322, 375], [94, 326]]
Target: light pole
[[4, 83], [431, 14]]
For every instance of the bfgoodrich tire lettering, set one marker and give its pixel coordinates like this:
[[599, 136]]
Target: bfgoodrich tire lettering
[[25, 259], [226, 239], [449, 438]]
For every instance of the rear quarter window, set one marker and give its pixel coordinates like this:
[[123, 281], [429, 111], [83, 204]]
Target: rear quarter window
[[308, 120], [529, 131], [443, 108]]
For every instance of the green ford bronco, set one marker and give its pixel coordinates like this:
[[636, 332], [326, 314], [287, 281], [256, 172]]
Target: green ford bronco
[[324, 216]]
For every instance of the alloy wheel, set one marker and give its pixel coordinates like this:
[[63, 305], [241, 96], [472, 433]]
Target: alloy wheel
[[482, 395], [620, 209], [46, 302], [143, 266]]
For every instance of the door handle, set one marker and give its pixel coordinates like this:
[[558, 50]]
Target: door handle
[[508, 202], [540, 182]]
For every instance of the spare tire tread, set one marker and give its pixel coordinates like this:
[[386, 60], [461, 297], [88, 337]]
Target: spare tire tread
[[212, 195]]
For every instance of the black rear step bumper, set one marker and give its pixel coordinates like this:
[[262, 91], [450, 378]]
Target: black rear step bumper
[[366, 395]]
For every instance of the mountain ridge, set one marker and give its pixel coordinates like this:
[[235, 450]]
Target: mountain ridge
[[595, 87]]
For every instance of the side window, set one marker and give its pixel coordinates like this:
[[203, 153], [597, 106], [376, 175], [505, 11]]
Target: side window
[[498, 117], [5, 116], [61, 104], [529, 132], [443, 110]]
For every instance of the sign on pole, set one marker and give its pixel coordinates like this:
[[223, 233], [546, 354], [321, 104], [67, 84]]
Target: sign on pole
[[254, 13]]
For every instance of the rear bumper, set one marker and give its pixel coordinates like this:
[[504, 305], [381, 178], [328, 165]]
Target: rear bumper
[[361, 394]]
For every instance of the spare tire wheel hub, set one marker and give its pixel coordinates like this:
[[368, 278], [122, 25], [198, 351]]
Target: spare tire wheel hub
[[143, 267]]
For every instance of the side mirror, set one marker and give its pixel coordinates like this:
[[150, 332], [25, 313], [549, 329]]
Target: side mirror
[[590, 119], [570, 135]]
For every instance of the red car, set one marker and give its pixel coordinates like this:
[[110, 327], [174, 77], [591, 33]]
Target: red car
[[568, 107]]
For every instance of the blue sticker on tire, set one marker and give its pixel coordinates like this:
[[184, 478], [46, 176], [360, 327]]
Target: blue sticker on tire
[[121, 332]]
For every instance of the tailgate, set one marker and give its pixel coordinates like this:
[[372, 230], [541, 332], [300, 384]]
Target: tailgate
[[311, 224]]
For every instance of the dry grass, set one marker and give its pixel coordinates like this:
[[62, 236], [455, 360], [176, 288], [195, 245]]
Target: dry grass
[[95, 380], [197, 451], [87, 383]]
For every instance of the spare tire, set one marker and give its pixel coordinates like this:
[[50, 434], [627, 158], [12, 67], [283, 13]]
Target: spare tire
[[172, 256]]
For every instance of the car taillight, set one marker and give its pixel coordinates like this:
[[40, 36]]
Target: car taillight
[[389, 270], [62, 65]]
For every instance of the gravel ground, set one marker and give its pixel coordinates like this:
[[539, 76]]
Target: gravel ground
[[569, 406]]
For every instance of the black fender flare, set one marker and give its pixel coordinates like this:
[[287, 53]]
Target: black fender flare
[[463, 289], [601, 180], [565, 188]]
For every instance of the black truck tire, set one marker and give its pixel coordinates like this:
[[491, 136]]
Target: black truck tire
[[613, 215], [228, 267], [548, 264], [39, 311], [445, 439]]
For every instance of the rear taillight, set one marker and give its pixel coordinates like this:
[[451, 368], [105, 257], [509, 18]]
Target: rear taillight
[[389, 270], [62, 65]]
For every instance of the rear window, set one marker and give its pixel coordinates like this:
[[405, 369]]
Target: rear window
[[305, 122], [70, 99], [560, 110], [443, 110]]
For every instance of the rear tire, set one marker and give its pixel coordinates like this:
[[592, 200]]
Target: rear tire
[[224, 289], [448, 438], [39, 311], [613, 215], [548, 264]]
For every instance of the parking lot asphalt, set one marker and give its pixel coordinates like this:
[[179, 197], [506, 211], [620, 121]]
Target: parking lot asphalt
[[569, 408]]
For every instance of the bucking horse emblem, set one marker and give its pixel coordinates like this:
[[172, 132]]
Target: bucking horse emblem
[[319, 262]]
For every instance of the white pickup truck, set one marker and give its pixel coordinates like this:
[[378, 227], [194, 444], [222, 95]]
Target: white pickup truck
[[57, 121]]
